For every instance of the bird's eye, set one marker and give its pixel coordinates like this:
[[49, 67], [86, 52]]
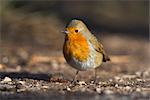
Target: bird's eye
[[76, 31]]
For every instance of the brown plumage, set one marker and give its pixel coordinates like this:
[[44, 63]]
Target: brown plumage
[[99, 48]]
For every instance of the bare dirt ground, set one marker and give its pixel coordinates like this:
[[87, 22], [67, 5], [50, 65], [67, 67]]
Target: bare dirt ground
[[29, 73]]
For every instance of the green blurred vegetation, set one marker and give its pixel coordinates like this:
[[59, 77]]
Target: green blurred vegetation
[[40, 22]]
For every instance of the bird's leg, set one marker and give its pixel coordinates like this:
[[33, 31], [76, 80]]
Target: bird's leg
[[95, 75], [74, 80]]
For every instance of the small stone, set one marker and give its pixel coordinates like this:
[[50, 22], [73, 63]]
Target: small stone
[[139, 74], [140, 80], [108, 92], [21, 90], [104, 83], [116, 85], [83, 89], [117, 78], [129, 76], [58, 83], [127, 87], [110, 80], [92, 82], [146, 74], [138, 89], [68, 88], [98, 90], [82, 83], [6, 80], [99, 83], [21, 82], [7, 87], [45, 87]]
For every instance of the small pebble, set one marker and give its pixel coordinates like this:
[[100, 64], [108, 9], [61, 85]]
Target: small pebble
[[146, 74], [121, 80], [83, 89], [140, 80], [98, 90], [116, 85], [6, 80], [108, 92], [139, 74], [45, 87], [58, 83], [21, 90], [138, 89], [129, 76], [128, 87], [92, 82], [82, 83], [21, 82], [7, 87], [110, 80], [68, 89], [117, 78], [143, 74]]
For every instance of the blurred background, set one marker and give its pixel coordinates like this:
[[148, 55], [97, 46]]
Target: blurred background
[[32, 65], [31, 29]]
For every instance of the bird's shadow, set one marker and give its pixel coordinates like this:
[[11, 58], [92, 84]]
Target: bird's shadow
[[22, 75]]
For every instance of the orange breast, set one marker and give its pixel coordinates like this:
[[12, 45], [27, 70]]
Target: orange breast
[[76, 46]]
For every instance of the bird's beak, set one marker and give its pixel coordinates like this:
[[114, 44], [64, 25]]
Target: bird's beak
[[65, 32]]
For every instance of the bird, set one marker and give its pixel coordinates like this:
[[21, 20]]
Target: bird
[[81, 48]]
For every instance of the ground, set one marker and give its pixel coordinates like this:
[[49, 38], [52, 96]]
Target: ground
[[28, 72]]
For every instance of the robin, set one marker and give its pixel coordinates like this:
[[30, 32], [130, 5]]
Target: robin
[[81, 48]]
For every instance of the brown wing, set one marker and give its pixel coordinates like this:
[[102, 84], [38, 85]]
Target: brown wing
[[99, 48]]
